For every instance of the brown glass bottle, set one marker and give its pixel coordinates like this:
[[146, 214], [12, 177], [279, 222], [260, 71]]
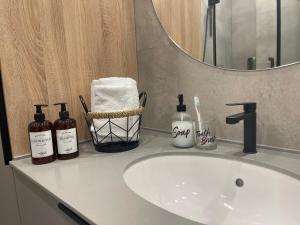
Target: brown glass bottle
[[41, 138], [65, 133]]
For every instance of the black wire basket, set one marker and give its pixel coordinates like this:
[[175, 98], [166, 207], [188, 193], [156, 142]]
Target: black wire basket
[[105, 138]]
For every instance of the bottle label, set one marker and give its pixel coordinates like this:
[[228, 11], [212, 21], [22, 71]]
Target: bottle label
[[183, 133], [206, 137], [66, 141], [41, 144]]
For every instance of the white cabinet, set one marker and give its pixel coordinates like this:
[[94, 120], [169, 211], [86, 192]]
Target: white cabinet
[[37, 206], [9, 213]]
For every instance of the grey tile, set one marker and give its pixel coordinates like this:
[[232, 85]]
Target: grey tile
[[149, 31], [158, 77]]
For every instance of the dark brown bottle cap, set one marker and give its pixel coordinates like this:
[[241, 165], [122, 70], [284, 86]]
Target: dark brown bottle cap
[[39, 116], [63, 114]]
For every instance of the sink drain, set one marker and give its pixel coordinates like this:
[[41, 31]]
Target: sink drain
[[239, 182]]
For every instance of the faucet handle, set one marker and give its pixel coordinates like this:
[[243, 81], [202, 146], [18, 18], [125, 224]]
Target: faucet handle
[[248, 106]]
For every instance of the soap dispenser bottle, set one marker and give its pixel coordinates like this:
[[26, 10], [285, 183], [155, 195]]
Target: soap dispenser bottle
[[182, 127], [65, 132], [41, 138]]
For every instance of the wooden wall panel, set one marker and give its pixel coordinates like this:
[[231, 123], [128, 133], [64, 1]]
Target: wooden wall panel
[[183, 22], [52, 49]]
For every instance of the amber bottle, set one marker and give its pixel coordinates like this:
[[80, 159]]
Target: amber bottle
[[41, 138], [65, 132]]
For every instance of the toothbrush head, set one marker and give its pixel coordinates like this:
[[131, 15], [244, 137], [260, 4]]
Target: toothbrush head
[[196, 101], [197, 107]]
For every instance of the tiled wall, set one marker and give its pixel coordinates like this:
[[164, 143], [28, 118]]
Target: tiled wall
[[165, 71], [243, 25], [290, 30], [224, 34]]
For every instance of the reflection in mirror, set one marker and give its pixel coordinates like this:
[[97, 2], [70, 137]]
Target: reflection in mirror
[[234, 34]]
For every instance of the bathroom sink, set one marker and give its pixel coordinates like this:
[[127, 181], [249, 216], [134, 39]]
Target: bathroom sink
[[216, 191]]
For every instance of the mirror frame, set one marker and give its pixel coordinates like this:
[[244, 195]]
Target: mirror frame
[[212, 66]]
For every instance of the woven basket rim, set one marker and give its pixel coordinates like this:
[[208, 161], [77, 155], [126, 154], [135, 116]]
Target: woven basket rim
[[118, 114]]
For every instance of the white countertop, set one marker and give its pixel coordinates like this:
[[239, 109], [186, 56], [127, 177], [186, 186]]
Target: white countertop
[[92, 185]]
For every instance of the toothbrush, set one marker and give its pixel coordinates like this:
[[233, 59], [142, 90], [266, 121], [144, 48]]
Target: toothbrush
[[197, 107]]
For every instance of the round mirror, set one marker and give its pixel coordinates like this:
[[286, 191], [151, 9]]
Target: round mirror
[[234, 34]]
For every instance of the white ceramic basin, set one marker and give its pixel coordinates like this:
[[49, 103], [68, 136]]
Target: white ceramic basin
[[204, 189]]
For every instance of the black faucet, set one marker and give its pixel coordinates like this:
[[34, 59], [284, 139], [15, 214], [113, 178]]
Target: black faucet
[[249, 117]]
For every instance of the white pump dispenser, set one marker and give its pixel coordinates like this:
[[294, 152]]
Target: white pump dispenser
[[182, 127]]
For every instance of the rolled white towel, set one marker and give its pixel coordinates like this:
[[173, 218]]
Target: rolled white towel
[[111, 95], [112, 81]]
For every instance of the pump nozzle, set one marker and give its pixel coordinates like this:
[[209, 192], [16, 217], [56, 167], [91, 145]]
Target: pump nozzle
[[63, 114], [181, 107], [39, 116]]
